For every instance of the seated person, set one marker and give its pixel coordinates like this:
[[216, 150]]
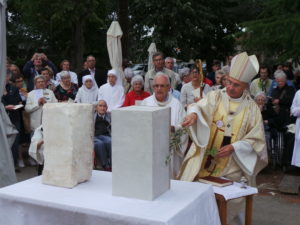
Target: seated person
[[112, 92], [66, 91], [102, 138], [88, 92], [137, 93]]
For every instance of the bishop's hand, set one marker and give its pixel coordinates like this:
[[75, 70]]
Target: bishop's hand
[[189, 120], [225, 151]]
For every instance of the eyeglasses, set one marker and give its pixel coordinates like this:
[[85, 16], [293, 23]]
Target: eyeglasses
[[160, 85]]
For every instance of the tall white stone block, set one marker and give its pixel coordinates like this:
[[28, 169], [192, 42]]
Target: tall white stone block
[[68, 141], [140, 147]]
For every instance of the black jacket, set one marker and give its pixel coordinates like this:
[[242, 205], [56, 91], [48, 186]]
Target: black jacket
[[100, 76], [12, 98]]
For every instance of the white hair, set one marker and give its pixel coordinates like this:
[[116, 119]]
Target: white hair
[[64, 74], [184, 71], [128, 73], [279, 74], [261, 93], [137, 78], [221, 72], [161, 74], [39, 77], [169, 58]]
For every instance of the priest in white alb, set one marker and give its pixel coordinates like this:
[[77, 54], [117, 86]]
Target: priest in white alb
[[227, 132], [162, 98]]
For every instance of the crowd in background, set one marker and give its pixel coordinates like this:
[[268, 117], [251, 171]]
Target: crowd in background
[[41, 82]]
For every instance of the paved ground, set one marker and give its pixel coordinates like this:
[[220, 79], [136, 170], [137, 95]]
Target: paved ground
[[270, 206]]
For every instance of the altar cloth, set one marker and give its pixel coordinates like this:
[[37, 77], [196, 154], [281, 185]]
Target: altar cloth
[[91, 203]]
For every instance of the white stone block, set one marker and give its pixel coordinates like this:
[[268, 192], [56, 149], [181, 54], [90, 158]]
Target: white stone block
[[140, 147], [68, 141]]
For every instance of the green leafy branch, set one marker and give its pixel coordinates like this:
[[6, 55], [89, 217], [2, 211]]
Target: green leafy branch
[[175, 143]]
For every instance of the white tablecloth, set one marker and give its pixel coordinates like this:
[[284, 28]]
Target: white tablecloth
[[32, 203], [235, 191]]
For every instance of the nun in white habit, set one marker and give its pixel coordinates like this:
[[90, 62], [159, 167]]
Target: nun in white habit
[[88, 92], [112, 92]]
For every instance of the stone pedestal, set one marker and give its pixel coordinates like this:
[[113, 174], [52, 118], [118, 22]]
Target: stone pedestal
[[68, 141], [140, 147]]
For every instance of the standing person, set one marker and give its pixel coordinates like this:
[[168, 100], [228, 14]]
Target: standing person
[[137, 94], [32, 68], [10, 99], [66, 66], [227, 131], [112, 92], [66, 90], [162, 98], [102, 138], [24, 132], [296, 81], [195, 89], [159, 66], [185, 77], [218, 78], [49, 82], [215, 66], [281, 101], [36, 100], [261, 84], [128, 73], [169, 64], [88, 92], [98, 75], [295, 111]]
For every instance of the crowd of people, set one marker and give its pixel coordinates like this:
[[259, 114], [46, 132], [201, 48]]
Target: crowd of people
[[40, 82]]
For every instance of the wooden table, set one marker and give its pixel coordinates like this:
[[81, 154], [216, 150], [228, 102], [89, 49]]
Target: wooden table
[[222, 205]]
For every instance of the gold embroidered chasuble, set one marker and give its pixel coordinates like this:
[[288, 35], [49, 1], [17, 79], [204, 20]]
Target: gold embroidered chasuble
[[245, 125], [216, 139]]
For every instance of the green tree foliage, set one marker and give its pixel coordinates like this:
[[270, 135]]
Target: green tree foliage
[[62, 29], [74, 28], [275, 31], [199, 28]]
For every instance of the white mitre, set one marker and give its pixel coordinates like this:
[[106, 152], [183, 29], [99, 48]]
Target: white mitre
[[244, 67]]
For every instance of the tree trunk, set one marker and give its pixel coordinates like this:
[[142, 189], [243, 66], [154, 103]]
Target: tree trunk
[[124, 23], [77, 50]]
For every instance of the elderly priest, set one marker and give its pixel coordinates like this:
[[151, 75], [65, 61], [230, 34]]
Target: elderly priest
[[162, 98], [227, 131]]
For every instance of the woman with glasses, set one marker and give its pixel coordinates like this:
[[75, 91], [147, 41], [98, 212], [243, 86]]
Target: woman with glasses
[[195, 90]]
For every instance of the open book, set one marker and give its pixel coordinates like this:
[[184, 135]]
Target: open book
[[216, 181]]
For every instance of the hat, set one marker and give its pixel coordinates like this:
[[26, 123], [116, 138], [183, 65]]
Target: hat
[[244, 67]]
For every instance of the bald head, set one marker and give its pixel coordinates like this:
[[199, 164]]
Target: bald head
[[161, 86]]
